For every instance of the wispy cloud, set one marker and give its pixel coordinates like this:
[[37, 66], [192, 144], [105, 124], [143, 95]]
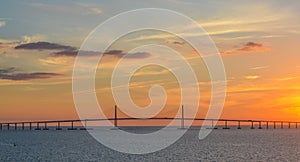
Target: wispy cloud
[[8, 43], [82, 9], [247, 47], [258, 67], [252, 77], [91, 9], [287, 78], [241, 21], [114, 53], [239, 33], [179, 43], [2, 23], [44, 46], [152, 73], [67, 53], [121, 53], [13, 74]]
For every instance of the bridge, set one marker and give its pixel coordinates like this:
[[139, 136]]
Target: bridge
[[44, 125]]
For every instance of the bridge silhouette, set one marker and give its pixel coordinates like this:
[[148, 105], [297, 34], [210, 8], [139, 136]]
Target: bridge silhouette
[[36, 125]]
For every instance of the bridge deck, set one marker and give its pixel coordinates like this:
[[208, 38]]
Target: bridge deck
[[38, 124]]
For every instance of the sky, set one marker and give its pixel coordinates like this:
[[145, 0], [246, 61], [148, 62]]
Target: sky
[[257, 40]]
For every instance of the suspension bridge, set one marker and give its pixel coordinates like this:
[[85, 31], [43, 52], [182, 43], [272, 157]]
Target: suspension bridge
[[70, 124]]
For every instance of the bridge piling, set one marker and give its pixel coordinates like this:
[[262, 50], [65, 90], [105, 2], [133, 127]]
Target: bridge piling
[[58, 126], [72, 126], [226, 126], [239, 125], [37, 126], [252, 125], [259, 127], [45, 127]]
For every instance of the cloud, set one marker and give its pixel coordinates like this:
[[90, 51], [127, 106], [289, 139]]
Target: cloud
[[73, 53], [7, 70], [177, 43], [89, 9], [287, 78], [94, 10], [12, 74], [246, 21], [152, 72], [60, 50], [250, 46], [247, 47], [121, 53], [44, 46], [138, 55], [7, 46], [115, 53], [252, 77], [25, 39], [69, 53], [33, 38], [82, 9], [258, 67], [2, 23]]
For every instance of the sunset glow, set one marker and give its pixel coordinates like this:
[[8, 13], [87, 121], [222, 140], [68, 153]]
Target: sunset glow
[[258, 42]]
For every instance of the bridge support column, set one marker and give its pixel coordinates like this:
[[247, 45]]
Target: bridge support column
[[252, 125], [226, 126], [239, 125], [45, 127], [37, 126], [58, 126], [259, 125], [72, 126]]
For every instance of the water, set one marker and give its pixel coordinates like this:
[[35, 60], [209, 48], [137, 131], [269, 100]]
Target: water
[[220, 145]]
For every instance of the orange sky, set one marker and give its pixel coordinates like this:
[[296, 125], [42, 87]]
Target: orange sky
[[260, 52]]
